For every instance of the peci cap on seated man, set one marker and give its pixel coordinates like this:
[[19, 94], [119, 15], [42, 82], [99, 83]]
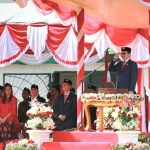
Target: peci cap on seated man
[[34, 92], [34, 95], [91, 88]]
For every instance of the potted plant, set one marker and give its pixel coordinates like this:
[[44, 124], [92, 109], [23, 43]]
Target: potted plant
[[40, 123], [126, 121]]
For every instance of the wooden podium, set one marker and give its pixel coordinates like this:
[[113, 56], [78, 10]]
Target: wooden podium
[[100, 105]]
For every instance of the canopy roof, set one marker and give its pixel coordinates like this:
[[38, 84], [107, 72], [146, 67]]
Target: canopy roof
[[117, 13]]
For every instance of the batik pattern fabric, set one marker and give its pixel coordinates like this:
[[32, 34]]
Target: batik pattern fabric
[[6, 131]]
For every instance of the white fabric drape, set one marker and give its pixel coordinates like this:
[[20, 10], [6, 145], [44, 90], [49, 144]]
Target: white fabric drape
[[9, 49], [101, 44], [31, 60], [92, 60], [37, 37], [67, 22], [139, 46], [139, 50], [67, 50], [38, 10], [145, 3]]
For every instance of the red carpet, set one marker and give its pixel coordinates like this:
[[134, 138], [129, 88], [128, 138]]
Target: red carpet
[[81, 141], [76, 146], [66, 136]]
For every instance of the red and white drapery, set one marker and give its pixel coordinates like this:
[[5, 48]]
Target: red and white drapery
[[61, 41]]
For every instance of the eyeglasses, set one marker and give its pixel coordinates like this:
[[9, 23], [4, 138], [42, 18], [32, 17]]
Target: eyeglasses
[[64, 84], [124, 53], [52, 90]]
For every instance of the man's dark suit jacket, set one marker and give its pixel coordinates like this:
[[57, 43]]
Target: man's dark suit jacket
[[126, 76], [69, 109], [40, 99]]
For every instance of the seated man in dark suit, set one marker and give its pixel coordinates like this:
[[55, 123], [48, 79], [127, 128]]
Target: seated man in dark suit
[[66, 108], [127, 70]]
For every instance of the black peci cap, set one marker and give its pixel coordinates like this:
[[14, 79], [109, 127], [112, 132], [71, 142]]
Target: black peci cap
[[92, 87], [128, 49], [26, 89], [56, 87], [34, 86], [67, 81]]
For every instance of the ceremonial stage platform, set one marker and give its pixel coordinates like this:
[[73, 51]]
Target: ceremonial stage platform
[[81, 140]]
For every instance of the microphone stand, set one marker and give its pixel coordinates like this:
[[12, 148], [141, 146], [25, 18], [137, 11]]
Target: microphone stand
[[81, 126]]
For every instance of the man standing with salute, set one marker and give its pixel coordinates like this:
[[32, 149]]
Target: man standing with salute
[[66, 108], [127, 70]]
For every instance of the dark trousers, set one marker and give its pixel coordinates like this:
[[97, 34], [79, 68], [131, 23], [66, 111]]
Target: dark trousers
[[65, 127]]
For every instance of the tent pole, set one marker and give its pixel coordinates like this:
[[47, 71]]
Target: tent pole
[[80, 66]]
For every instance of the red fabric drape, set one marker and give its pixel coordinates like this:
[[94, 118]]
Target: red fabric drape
[[146, 0], [139, 80], [19, 35], [143, 32], [56, 35], [139, 92], [119, 36], [92, 26], [64, 12], [88, 46], [2, 27]]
